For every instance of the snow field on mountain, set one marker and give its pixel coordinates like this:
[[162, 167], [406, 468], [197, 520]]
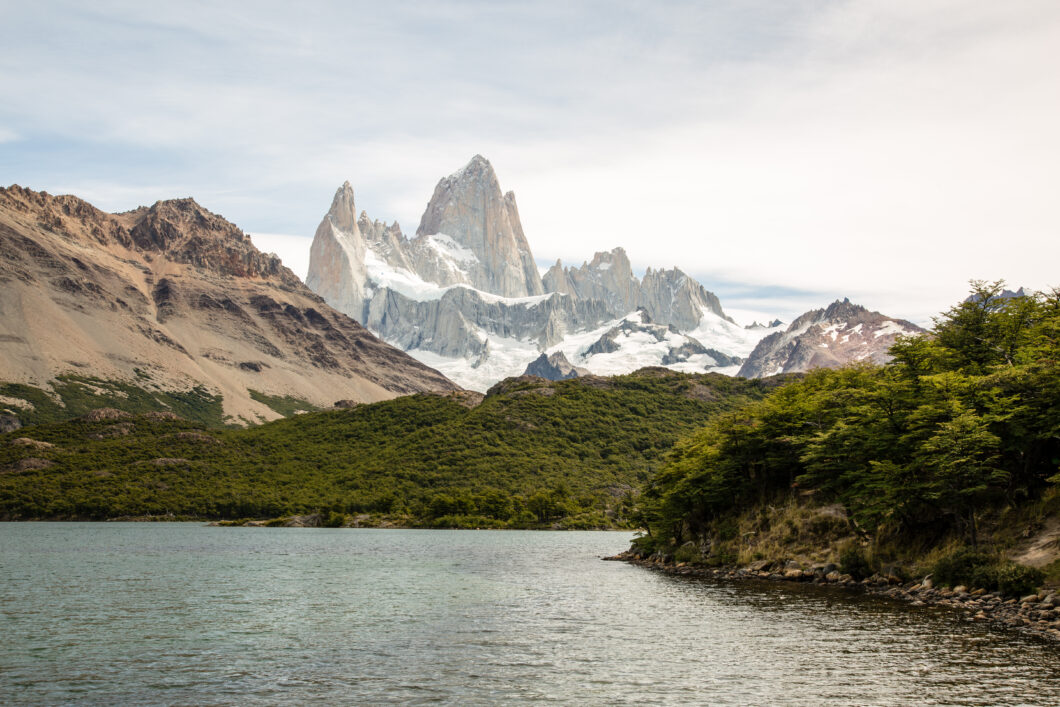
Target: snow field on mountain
[[509, 357]]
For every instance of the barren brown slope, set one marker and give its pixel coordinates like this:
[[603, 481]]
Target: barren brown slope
[[180, 296]]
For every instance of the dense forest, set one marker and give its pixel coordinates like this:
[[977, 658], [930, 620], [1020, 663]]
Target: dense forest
[[532, 453], [944, 453]]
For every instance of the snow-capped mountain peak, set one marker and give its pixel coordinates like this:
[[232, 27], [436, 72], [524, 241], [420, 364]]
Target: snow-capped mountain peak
[[466, 297]]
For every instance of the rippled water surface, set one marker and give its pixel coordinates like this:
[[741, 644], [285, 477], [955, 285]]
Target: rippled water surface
[[187, 614]]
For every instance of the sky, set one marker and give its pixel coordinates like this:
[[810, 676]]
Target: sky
[[785, 154]]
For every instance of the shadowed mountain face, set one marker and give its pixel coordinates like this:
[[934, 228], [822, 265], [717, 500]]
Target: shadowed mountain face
[[174, 296], [554, 368]]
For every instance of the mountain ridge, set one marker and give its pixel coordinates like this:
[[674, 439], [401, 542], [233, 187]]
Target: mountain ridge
[[828, 337], [175, 294]]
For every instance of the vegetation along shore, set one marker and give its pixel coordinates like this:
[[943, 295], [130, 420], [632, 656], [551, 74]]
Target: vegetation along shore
[[530, 454], [933, 477]]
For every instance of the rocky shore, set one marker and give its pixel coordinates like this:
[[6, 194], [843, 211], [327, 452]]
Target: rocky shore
[[1035, 614]]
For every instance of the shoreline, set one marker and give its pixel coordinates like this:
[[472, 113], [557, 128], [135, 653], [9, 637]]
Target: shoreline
[[1035, 615], [224, 523]]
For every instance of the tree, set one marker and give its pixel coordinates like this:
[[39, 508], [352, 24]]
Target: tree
[[960, 459]]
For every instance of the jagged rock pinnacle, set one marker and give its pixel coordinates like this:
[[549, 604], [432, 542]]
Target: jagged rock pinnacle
[[468, 206], [343, 212]]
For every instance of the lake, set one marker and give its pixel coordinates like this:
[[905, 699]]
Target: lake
[[181, 613]]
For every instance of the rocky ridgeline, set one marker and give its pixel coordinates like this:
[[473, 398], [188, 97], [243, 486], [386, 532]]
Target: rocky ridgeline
[[669, 297], [827, 338], [175, 297], [1037, 614]]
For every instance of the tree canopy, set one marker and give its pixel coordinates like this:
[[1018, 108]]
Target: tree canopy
[[964, 419]]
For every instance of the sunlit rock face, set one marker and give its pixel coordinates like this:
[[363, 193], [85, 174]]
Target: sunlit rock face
[[468, 207]]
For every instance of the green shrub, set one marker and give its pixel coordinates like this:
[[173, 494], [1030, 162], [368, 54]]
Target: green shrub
[[466, 522], [687, 553], [1014, 580], [965, 566], [852, 561], [334, 520], [523, 519], [722, 558], [981, 570], [642, 544], [589, 520], [727, 530]]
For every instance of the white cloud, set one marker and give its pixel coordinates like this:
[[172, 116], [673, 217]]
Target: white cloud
[[293, 250], [883, 150], [114, 197], [896, 175]]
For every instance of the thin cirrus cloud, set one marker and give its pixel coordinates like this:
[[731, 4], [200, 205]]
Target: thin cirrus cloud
[[882, 150]]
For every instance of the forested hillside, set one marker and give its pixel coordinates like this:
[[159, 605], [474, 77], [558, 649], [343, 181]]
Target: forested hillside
[[532, 453], [949, 451]]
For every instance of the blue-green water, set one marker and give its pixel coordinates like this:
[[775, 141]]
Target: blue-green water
[[188, 614]]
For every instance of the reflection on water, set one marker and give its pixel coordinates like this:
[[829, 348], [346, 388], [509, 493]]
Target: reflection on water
[[181, 613]]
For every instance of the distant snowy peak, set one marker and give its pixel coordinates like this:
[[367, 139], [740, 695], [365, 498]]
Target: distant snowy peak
[[465, 296], [827, 338], [637, 337]]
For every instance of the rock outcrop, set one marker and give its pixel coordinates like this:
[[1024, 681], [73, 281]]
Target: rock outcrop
[[178, 296], [337, 257], [554, 367], [671, 297], [827, 338]]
